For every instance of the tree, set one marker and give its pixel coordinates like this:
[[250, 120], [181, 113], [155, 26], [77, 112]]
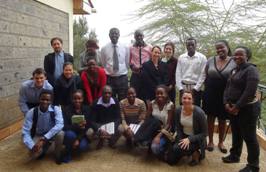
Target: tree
[[81, 34], [238, 21]]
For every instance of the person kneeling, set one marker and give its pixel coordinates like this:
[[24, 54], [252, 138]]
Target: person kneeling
[[77, 126], [42, 125], [106, 118], [191, 129], [133, 113]]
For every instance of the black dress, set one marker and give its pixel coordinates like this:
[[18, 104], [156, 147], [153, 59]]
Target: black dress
[[151, 77], [215, 84]]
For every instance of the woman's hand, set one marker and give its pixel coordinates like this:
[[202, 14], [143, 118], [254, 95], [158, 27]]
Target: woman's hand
[[156, 140], [76, 144], [184, 143]]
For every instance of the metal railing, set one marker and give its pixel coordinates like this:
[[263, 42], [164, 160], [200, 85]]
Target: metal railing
[[262, 95]]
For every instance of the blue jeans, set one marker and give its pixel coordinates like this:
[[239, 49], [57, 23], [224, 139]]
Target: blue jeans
[[70, 138], [158, 148]]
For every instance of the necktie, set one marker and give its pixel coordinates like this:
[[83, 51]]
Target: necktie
[[115, 60]]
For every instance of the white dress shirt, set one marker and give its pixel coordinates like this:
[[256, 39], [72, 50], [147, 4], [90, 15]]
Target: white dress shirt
[[107, 59], [191, 69]]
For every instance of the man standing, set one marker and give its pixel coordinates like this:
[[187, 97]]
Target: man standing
[[30, 90], [89, 53], [190, 73], [53, 62], [115, 60], [42, 125], [140, 52]]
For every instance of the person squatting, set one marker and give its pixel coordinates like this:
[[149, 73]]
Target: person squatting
[[72, 110]]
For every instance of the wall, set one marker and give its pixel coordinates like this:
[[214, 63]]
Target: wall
[[26, 27], [67, 7]]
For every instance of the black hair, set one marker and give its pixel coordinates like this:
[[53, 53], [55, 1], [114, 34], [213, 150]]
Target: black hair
[[226, 44], [107, 86], [113, 29], [66, 64], [56, 38], [45, 91], [132, 89], [171, 44], [191, 39], [247, 50], [165, 89], [156, 46], [39, 71]]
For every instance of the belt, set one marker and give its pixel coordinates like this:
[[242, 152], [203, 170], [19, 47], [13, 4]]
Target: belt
[[120, 76], [187, 83]]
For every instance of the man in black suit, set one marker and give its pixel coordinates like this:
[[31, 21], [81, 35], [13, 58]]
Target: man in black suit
[[53, 62]]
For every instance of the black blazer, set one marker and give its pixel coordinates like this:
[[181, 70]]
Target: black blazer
[[49, 65], [152, 77]]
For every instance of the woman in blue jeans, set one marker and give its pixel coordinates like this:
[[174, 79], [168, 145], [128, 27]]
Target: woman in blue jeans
[[76, 130]]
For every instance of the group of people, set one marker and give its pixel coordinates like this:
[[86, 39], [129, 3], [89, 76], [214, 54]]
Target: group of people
[[74, 109]]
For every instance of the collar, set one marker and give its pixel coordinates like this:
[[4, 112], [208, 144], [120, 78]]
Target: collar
[[32, 84], [61, 53], [134, 104], [111, 102], [50, 109]]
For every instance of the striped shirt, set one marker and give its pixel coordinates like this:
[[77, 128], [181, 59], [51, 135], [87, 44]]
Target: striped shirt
[[132, 113]]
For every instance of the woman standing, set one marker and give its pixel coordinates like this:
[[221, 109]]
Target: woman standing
[[244, 108], [65, 85], [218, 69], [191, 129], [153, 74], [94, 79], [171, 61]]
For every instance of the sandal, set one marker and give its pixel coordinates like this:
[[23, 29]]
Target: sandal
[[210, 148], [222, 149]]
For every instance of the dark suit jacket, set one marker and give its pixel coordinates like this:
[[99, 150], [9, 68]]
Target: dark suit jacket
[[49, 65], [152, 77]]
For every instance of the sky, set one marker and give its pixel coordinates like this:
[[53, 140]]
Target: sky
[[113, 13]]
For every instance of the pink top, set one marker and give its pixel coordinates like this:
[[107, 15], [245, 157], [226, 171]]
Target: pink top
[[134, 59]]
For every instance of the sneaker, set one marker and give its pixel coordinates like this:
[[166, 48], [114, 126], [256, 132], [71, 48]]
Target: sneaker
[[249, 169], [231, 159]]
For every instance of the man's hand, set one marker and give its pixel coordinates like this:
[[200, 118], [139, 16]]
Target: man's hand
[[82, 124], [38, 146], [104, 134], [129, 132]]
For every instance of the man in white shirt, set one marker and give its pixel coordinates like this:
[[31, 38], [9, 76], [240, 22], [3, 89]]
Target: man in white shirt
[[190, 71], [115, 60]]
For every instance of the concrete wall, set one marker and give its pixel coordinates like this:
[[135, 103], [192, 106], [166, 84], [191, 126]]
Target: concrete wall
[[67, 7], [26, 27]]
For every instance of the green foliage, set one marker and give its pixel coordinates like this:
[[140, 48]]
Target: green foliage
[[241, 22], [81, 34]]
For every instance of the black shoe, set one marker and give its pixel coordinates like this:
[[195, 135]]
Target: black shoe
[[249, 169], [230, 159]]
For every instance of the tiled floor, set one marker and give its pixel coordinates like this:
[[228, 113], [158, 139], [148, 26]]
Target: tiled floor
[[14, 157]]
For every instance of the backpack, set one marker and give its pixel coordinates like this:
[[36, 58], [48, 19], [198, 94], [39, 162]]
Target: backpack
[[35, 120]]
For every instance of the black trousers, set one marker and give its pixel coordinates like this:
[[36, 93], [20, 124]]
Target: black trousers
[[135, 82], [243, 128], [174, 155], [119, 85]]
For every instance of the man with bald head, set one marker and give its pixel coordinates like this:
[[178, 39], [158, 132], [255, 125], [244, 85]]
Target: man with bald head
[[140, 52], [115, 60]]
